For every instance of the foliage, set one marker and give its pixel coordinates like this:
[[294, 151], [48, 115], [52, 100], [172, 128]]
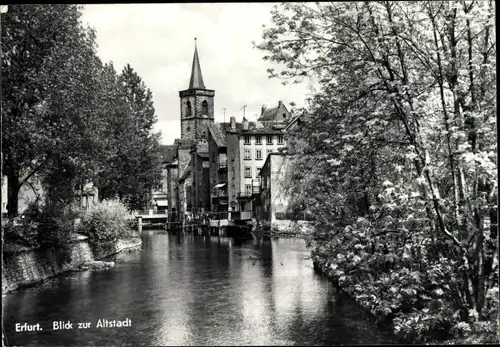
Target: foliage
[[106, 223], [66, 116], [132, 170], [397, 153], [39, 227]]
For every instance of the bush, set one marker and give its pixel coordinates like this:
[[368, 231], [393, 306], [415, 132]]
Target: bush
[[105, 224]]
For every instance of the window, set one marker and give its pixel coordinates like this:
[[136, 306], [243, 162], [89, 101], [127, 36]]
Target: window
[[188, 128], [248, 172], [247, 155], [247, 139], [258, 139], [284, 115], [281, 139], [248, 189], [233, 189], [204, 107], [269, 151], [188, 109], [258, 154], [269, 139], [232, 173]]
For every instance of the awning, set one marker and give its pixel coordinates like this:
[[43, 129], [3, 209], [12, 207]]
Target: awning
[[220, 185], [162, 203]]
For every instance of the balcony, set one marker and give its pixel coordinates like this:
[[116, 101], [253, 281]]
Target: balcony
[[244, 195], [222, 165], [241, 215]]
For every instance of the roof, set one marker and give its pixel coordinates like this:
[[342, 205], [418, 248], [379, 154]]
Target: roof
[[263, 128], [293, 121], [218, 131], [272, 114], [186, 172], [168, 153], [196, 81], [269, 114]]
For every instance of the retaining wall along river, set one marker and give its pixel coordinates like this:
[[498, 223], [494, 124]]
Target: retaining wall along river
[[26, 267]]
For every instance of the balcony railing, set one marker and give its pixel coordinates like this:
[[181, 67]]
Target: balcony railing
[[244, 195], [222, 165]]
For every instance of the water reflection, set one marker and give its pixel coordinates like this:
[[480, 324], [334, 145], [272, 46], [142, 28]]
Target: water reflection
[[185, 289]]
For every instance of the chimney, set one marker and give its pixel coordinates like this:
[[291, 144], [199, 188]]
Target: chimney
[[280, 103], [232, 121], [263, 109], [245, 124]]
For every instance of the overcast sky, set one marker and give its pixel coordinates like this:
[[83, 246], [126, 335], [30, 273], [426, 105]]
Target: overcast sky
[[158, 42]]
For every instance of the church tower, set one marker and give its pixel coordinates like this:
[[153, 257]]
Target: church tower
[[197, 104]]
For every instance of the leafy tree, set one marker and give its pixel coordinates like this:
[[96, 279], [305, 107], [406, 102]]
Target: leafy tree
[[134, 167], [49, 88], [398, 158]]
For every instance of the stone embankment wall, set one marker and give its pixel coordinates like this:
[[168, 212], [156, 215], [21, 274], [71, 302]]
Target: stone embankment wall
[[27, 267]]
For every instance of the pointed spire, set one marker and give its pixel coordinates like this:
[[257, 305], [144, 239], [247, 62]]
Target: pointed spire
[[196, 81]]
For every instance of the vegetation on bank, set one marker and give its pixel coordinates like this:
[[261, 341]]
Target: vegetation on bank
[[397, 156], [105, 224]]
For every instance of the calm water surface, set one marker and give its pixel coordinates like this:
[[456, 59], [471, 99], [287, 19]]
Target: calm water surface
[[193, 290]]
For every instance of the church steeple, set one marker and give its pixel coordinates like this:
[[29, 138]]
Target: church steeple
[[196, 81]]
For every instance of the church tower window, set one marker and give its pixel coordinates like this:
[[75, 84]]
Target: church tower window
[[204, 108], [188, 109]]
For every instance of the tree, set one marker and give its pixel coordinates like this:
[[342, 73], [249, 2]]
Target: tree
[[49, 69], [399, 157], [134, 167]]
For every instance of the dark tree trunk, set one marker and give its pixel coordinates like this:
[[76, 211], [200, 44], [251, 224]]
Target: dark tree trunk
[[13, 192]]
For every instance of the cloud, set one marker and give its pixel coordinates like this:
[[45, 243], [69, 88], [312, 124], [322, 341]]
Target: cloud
[[157, 41]]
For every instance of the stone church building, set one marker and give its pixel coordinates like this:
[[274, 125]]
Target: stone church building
[[187, 160]]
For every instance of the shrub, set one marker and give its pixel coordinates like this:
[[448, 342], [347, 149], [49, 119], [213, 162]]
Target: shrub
[[105, 224]]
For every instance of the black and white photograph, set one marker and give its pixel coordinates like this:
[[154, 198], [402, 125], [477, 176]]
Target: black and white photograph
[[251, 174]]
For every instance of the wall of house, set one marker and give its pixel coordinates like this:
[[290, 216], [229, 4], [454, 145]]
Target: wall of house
[[185, 191], [30, 266], [172, 192], [213, 157], [253, 162], [233, 167], [4, 194], [279, 199]]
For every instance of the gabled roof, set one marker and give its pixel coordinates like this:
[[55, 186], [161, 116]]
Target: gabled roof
[[269, 114], [218, 132], [196, 81], [274, 114]]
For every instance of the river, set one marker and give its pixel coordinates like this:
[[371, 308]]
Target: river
[[193, 290]]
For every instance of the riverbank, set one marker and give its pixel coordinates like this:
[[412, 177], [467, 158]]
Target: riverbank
[[385, 322], [24, 267]]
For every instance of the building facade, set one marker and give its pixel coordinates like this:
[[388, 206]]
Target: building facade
[[247, 149]]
